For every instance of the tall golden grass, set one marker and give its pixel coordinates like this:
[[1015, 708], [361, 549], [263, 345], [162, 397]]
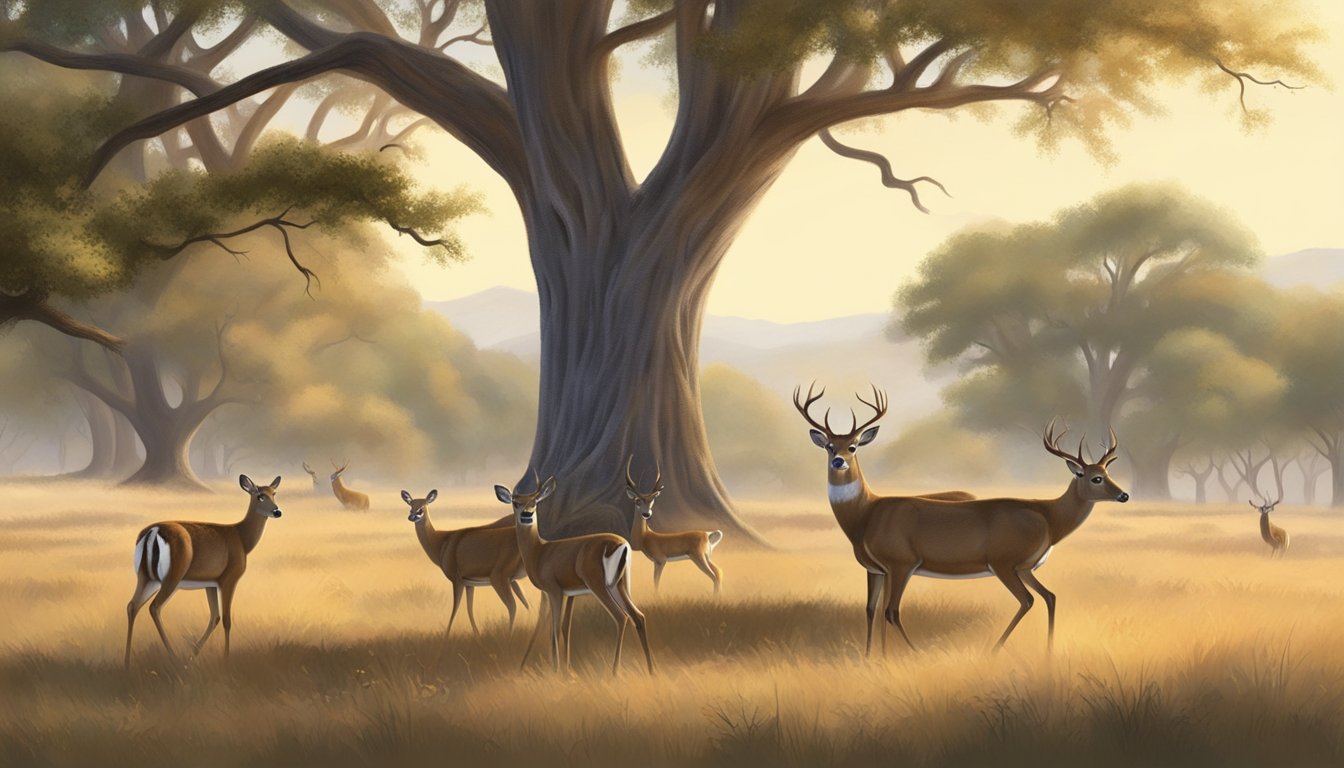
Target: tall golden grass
[[1179, 643]]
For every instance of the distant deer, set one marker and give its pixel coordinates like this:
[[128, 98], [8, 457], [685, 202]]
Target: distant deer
[[349, 499], [597, 564], [1274, 536], [317, 481], [185, 555], [470, 558], [852, 501], [1007, 538], [663, 548]]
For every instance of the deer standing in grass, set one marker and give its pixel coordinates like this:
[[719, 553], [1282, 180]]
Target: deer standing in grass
[[597, 564], [470, 558], [177, 555], [852, 500], [663, 548], [349, 499], [1274, 536], [317, 481], [1006, 538]]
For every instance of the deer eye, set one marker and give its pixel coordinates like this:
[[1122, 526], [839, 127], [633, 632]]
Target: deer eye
[[1096, 480], [830, 447], [853, 449]]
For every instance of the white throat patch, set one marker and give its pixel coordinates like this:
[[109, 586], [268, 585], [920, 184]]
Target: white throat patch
[[839, 494]]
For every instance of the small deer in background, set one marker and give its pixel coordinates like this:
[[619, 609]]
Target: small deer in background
[[175, 555], [663, 548], [317, 481], [348, 498], [1274, 536], [470, 558]]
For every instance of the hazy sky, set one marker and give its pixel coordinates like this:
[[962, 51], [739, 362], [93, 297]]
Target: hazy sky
[[829, 240]]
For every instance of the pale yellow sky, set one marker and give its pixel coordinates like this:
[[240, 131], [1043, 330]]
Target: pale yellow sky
[[829, 240]]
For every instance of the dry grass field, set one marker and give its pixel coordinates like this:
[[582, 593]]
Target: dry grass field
[[1180, 643]]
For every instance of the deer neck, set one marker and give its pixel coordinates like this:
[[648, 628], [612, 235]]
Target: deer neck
[[1065, 514], [851, 498], [251, 527], [338, 487], [530, 544], [1264, 529], [638, 528], [428, 536]]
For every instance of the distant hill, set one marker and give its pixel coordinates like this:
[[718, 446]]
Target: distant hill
[[843, 354], [1317, 267]]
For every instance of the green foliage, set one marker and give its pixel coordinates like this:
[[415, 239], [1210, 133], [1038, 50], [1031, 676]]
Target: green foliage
[[753, 433], [937, 448]]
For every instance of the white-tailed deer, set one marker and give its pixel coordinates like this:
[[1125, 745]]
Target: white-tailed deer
[[1274, 536], [470, 558], [853, 501], [1006, 538], [317, 481], [349, 499], [177, 555], [663, 548], [597, 564]]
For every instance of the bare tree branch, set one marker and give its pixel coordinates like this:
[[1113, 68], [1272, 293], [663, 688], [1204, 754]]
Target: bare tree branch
[[35, 306], [889, 179], [473, 37], [1243, 77], [637, 31]]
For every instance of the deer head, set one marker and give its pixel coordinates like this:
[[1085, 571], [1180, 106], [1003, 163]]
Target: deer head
[[1091, 479], [337, 474], [525, 504], [840, 445], [1265, 506], [419, 506], [263, 496], [312, 473], [643, 501]]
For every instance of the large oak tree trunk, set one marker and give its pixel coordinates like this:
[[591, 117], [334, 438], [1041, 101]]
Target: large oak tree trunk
[[1152, 472], [165, 430]]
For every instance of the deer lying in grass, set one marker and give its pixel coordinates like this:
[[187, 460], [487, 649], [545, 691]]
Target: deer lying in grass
[[177, 555], [1274, 536], [348, 498], [597, 564], [663, 548], [1006, 538], [470, 558], [853, 502]]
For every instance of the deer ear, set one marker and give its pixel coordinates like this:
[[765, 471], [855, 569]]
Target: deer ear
[[433, 494], [867, 436], [1074, 468], [406, 497], [246, 484], [503, 494], [547, 488], [275, 483], [817, 437], [629, 494]]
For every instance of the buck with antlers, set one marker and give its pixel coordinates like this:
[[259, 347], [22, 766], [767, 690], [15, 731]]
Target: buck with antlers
[[177, 555], [1274, 536], [852, 500], [663, 548], [470, 558], [350, 499], [317, 481], [1006, 538], [597, 564]]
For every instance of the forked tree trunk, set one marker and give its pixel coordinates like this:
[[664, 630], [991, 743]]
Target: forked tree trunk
[[1152, 472], [166, 431]]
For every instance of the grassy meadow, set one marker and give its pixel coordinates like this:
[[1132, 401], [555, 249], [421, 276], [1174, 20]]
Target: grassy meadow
[[1179, 643]]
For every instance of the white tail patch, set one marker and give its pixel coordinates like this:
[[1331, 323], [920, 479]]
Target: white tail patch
[[614, 563], [714, 538], [152, 552]]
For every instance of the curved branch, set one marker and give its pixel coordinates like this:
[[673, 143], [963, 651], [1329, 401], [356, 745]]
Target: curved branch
[[279, 223], [121, 63], [474, 37], [1243, 77], [35, 307], [417, 237], [637, 31], [889, 179]]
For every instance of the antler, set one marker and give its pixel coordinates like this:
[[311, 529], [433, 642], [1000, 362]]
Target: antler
[[1051, 443], [630, 481], [657, 477], [308, 469], [879, 406], [803, 407], [340, 468], [1109, 456]]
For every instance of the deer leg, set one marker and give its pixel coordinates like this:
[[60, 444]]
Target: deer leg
[[658, 572], [226, 606], [618, 615], [555, 631], [1030, 578], [542, 615], [144, 589], [568, 624], [517, 590], [471, 610], [501, 586], [457, 601], [874, 594], [896, 580], [156, 607], [711, 570], [212, 597], [1013, 581], [623, 590]]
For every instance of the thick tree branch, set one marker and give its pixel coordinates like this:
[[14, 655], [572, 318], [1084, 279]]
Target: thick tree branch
[[121, 63], [636, 31], [471, 37], [889, 179], [35, 306]]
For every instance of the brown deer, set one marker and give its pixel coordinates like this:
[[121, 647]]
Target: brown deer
[[1274, 536], [177, 555], [1006, 538], [349, 499], [317, 481], [470, 558], [852, 500], [597, 564], [663, 548]]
